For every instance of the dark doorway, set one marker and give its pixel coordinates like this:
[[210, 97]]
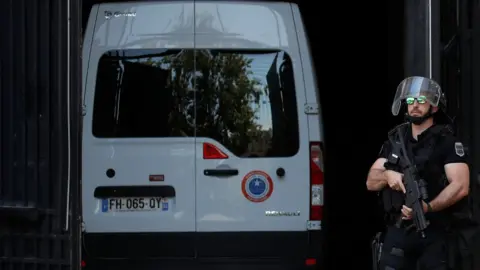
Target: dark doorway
[[357, 74]]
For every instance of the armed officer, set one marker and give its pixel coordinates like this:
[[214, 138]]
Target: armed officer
[[440, 162]]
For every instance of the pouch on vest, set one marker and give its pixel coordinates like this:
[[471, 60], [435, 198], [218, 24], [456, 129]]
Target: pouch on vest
[[392, 199]]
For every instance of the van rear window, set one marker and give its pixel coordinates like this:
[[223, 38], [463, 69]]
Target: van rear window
[[243, 99]]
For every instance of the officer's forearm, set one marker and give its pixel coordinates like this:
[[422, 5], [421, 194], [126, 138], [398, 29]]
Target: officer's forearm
[[376, 180], [449, 196]]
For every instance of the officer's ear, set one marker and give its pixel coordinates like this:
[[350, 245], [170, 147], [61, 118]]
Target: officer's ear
[[434, 109]]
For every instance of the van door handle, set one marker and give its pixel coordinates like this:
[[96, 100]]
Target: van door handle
[[220, 172]]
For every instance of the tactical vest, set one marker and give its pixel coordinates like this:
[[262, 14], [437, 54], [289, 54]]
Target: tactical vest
[[420, 154], [463, 243]]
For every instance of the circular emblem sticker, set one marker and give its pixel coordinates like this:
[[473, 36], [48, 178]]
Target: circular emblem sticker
[[257, 186]]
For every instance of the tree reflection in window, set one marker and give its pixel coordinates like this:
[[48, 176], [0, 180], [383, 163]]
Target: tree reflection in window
[[245, 100]]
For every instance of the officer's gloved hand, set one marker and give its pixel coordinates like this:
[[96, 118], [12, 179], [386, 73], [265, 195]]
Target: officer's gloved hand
[[395, 180]]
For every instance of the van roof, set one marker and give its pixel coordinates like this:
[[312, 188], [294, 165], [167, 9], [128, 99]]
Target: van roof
[[218, 24]]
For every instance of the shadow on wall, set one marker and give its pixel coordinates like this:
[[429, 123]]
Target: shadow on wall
[[351, 60]]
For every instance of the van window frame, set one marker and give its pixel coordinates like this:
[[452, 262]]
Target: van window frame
[[285, 85]]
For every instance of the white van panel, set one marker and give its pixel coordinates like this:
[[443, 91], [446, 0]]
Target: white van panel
[[312, 95], [87, 46], [158, 26], [244, 25], [203, 203], [221, 203]]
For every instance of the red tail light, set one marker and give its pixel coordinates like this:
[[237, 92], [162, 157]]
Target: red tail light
[[316, 180], [310, 262], [210, 151]]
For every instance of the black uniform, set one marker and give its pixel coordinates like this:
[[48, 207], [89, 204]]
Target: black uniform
[[403, 248]]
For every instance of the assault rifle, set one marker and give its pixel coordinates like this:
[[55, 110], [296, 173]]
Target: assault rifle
[[415, 187]]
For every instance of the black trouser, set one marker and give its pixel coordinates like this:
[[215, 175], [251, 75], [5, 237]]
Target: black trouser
[[404, 250]]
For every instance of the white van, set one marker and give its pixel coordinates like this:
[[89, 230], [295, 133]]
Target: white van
[[202, 134]]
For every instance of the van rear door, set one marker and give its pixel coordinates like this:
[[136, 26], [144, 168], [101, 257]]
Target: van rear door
[[138, 139], [253, 182]]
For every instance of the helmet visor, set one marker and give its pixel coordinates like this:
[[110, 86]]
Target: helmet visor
[[416, 88]]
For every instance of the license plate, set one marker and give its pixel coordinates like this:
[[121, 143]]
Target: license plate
[[134, 204]]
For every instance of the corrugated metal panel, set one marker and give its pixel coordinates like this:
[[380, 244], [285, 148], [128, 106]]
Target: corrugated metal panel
[[35, 143], [460, 62], [469, 52]]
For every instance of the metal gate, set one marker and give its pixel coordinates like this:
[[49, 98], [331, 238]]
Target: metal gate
[[443, 42], [39, 126], [459, 47]]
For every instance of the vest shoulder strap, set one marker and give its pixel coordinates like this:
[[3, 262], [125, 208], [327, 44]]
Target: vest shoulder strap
[[438, 132], [394, 130], [442, 130]]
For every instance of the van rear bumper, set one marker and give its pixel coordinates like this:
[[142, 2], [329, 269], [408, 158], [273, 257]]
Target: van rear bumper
[[198, 264], [218, 248]]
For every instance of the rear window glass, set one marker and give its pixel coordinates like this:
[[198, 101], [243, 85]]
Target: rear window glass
[[245, 100]]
